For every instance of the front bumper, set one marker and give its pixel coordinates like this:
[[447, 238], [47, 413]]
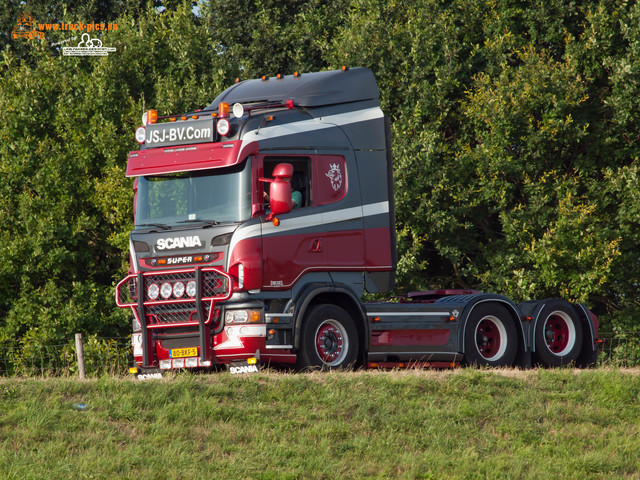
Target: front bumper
[[177, 308]]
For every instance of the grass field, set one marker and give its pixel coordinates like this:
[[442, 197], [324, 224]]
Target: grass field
[[466, 424]]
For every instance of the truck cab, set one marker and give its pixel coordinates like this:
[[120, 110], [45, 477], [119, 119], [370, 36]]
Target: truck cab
[[222, 270]]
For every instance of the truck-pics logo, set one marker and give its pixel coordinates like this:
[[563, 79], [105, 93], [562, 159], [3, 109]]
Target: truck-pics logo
[[178, 242], [26, 28], [88, 47], [335, 176]]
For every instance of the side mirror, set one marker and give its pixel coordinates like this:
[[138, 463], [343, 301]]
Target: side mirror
[[280, 189]]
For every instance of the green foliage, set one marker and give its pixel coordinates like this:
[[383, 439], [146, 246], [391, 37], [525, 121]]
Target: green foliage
[[35, 358], [514, 128], [66, 204], [515, 143], [267, 37]]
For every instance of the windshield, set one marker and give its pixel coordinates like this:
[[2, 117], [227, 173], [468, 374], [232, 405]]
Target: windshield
[[208, 196]]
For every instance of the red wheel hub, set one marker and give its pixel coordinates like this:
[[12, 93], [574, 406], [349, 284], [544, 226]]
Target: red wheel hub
[[488, 339], [556, 333], [329, 343]]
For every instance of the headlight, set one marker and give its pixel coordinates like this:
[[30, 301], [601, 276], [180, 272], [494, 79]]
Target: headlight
[[223, 127], [165, 290], [242, 316], [140, 135], [153, 291], [191, 288], [236, 316], [178, 289]]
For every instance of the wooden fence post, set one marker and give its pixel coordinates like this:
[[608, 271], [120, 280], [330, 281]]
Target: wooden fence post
[[80, 354]]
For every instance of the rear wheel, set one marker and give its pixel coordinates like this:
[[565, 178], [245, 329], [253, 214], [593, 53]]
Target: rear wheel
[[558, 335], [490, 338], [329, 338]]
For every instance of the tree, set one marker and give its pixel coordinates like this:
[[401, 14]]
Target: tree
[[515, 157], [67, 128], [515, 140]]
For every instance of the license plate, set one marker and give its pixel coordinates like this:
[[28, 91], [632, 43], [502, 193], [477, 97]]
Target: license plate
[[183, 352]]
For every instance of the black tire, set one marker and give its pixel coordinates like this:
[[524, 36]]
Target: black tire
[[329, 339], [490, 337], [558, 335]]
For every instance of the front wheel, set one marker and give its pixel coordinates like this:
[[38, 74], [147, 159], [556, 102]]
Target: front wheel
[[490, 338], [558, 335], [329, 339]]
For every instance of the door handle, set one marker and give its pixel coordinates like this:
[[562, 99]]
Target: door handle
[[316, 246]]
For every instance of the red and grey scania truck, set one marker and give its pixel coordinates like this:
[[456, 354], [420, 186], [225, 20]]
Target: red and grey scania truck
[[227, 269]]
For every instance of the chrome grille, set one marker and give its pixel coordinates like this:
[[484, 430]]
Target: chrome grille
[[175, 308]]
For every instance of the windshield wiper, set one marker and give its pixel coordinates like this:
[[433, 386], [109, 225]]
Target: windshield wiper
[[203, 221], [157, 225]]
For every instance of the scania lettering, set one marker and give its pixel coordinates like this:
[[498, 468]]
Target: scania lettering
[[270, 282], [178, 242], [243, 369]]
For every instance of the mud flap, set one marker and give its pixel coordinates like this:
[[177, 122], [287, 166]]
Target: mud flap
[[147, 373], [252, 365], [524, 359]]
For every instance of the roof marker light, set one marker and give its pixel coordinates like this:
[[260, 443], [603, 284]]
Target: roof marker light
[[265, 78], [297, 75], [184, 117], [150, 116], [238, 110], [279, 76], [345, 68]]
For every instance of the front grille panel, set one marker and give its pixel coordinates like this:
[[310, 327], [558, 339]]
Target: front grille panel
[[172, 313]]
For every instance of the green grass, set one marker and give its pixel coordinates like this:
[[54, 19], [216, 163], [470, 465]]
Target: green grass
[[467, 424]]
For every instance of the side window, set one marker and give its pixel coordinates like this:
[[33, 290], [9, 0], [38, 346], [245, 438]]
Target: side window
[[329, 179], [301, 180]]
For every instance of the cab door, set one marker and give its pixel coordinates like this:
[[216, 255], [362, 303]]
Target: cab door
[[296, 245]]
